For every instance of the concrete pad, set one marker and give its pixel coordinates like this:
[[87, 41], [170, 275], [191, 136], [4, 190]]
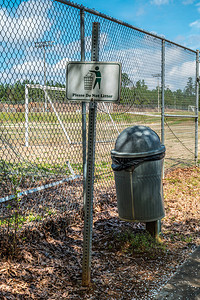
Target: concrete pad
[[185, 284]]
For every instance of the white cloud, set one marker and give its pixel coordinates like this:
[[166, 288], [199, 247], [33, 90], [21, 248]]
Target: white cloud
[[32, 67], [195, 24], [180, 73], [198, 6], [141, 63], [34, 71], [159, 2], [33, 8], [159, 35], [61, 65], [140, 12], [75, 46], [186, 2], [29, 23], [191, 41], [138, 63]]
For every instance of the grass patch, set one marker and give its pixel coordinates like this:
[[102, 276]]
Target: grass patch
[[75, 117], [137, 244], [7, 169], [23, 169]]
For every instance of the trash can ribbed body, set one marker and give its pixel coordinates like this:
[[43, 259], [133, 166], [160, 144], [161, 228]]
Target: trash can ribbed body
[[138, 174]]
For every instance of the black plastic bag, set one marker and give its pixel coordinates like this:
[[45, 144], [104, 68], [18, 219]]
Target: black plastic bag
[[123, 163]]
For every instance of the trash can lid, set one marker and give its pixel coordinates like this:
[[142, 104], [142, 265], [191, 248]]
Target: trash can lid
[[137, 141]]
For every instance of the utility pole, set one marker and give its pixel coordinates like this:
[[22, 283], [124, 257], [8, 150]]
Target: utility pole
[[44, 45], [157, 76]]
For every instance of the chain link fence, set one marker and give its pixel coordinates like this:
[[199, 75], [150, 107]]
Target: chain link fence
[[41, 164]]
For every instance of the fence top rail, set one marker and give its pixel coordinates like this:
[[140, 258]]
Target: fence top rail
[[95, 12]]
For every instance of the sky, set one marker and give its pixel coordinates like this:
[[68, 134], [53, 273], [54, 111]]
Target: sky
[[25, 22], [176, 20]]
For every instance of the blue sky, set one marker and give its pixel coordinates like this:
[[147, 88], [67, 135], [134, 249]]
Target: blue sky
[[177, 20], [23, 23]]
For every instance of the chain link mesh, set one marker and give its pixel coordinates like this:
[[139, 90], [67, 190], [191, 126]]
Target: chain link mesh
[[41, 161], [180, 99], [41, 133]]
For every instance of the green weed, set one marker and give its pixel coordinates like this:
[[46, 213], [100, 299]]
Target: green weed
[[140, 243]]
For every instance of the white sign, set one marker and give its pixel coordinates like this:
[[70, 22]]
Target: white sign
[[100, 81]]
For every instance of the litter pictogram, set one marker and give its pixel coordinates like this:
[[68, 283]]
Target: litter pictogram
[[88, 81]]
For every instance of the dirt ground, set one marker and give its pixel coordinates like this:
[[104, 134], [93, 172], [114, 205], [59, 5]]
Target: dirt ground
[[126, 263]]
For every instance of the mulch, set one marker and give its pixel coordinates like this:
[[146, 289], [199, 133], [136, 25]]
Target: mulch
[[47, 260]]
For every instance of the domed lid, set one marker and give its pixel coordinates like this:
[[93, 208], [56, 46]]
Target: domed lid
[[137, 141]]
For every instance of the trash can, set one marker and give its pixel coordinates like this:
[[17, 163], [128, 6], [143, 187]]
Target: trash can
[[88, 80], [137, 162]]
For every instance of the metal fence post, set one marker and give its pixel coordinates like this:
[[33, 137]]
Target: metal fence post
[[197, 107], [163, 94], [162, 112], [26, 118], [84, 132], [88, 218]]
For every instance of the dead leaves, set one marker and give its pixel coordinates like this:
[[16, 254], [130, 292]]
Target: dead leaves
[[50, 259]]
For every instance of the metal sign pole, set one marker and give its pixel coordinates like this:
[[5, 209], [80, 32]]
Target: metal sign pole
[[84, 135], [163, 94], [88, 218]]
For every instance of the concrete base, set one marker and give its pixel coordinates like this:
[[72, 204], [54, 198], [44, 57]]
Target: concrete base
[[185, 284]]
